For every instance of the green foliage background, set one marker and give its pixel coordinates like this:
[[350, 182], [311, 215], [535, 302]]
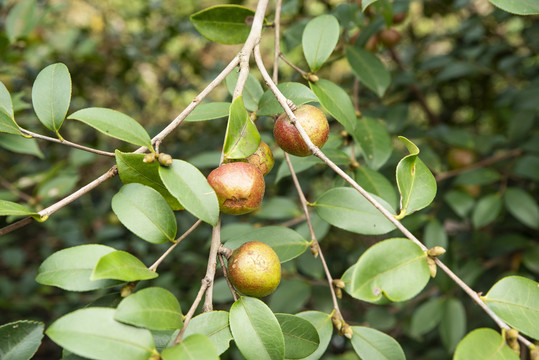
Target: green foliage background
[[474, 66]]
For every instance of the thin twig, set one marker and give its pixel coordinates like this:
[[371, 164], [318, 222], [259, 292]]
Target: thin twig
[[14, 190], [203, 286], [67, 143], [277, 39], [318, 153], [225, 273], [293, 66], [212, 265], [169, 250], [480, 164]]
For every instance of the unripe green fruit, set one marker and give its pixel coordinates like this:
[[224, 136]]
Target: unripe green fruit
[[262, 158], [312, 120], [239, 187], [254, 269]]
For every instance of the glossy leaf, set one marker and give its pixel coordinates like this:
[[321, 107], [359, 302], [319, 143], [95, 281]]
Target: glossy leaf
[[453, 323], [483, 176], [121, 265], [319, 39], [213, 324], [374, 141], [255, 329], [5, 101], [115, 124], [484, 343], [278, 208], [145, 212], [93, 333], [337, 102], [21, 20], [191, 189], [51, 95], [347, 209], [153, 308], [18, 144], [242, 137], [209, 111], [287, 243], [515, 299], [291, 296], [373, 344], [369, 69], [323, 325], [521, 7], [225, 24], [132, 169], [461, 202], [252, 92], [522, 206], [20, 340], [377, 184], [486, 210], [7, 124], [426, 317], [416, 183], [194, 347], [296, 92], [395, 268], [435, 234], [300, 336], [8, 208], [70, 269]]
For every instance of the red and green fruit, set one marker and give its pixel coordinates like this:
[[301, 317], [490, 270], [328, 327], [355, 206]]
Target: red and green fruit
[[262, 158], [254, 269], [390, 37], [239, 187], [312, 120]]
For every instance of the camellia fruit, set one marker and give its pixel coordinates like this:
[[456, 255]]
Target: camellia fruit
[[254, 269], [390, 37], [262, 158], [312, 120], [459, 158], [239, 187]]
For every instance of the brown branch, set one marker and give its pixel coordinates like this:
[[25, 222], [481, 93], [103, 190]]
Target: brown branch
[[225, 273], [212, 265], [480, 164], [203, 286]]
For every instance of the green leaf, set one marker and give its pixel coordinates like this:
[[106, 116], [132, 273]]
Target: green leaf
[[70, 269], [319, 39], [520, 7], [21, 20], [461, 202], [20, 340], [132, 169], [426, 317], [191, 189], [194, 347], [291, 296], [51, 95], [20, 145], [486, 210], [416, 183], [145, 212], [8, 208], [337, 102], [435, 234], [277, 208], [515, 299], [298, 93], [209, 111], [300, 336], [153, 308], [287, 243], [213, 324], [373, 344], [225, 24], [374, 141], [7, 123], [121, 265], [484, 344], [394, 268], [252, 92], [366, 3], [347, 209], [5, 101], [483, 176], [242, 137], [93, 333], [453, 323], [522, 206], [377, 184], [369, 69], [115, 124], [324, 327], [255, 329]]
